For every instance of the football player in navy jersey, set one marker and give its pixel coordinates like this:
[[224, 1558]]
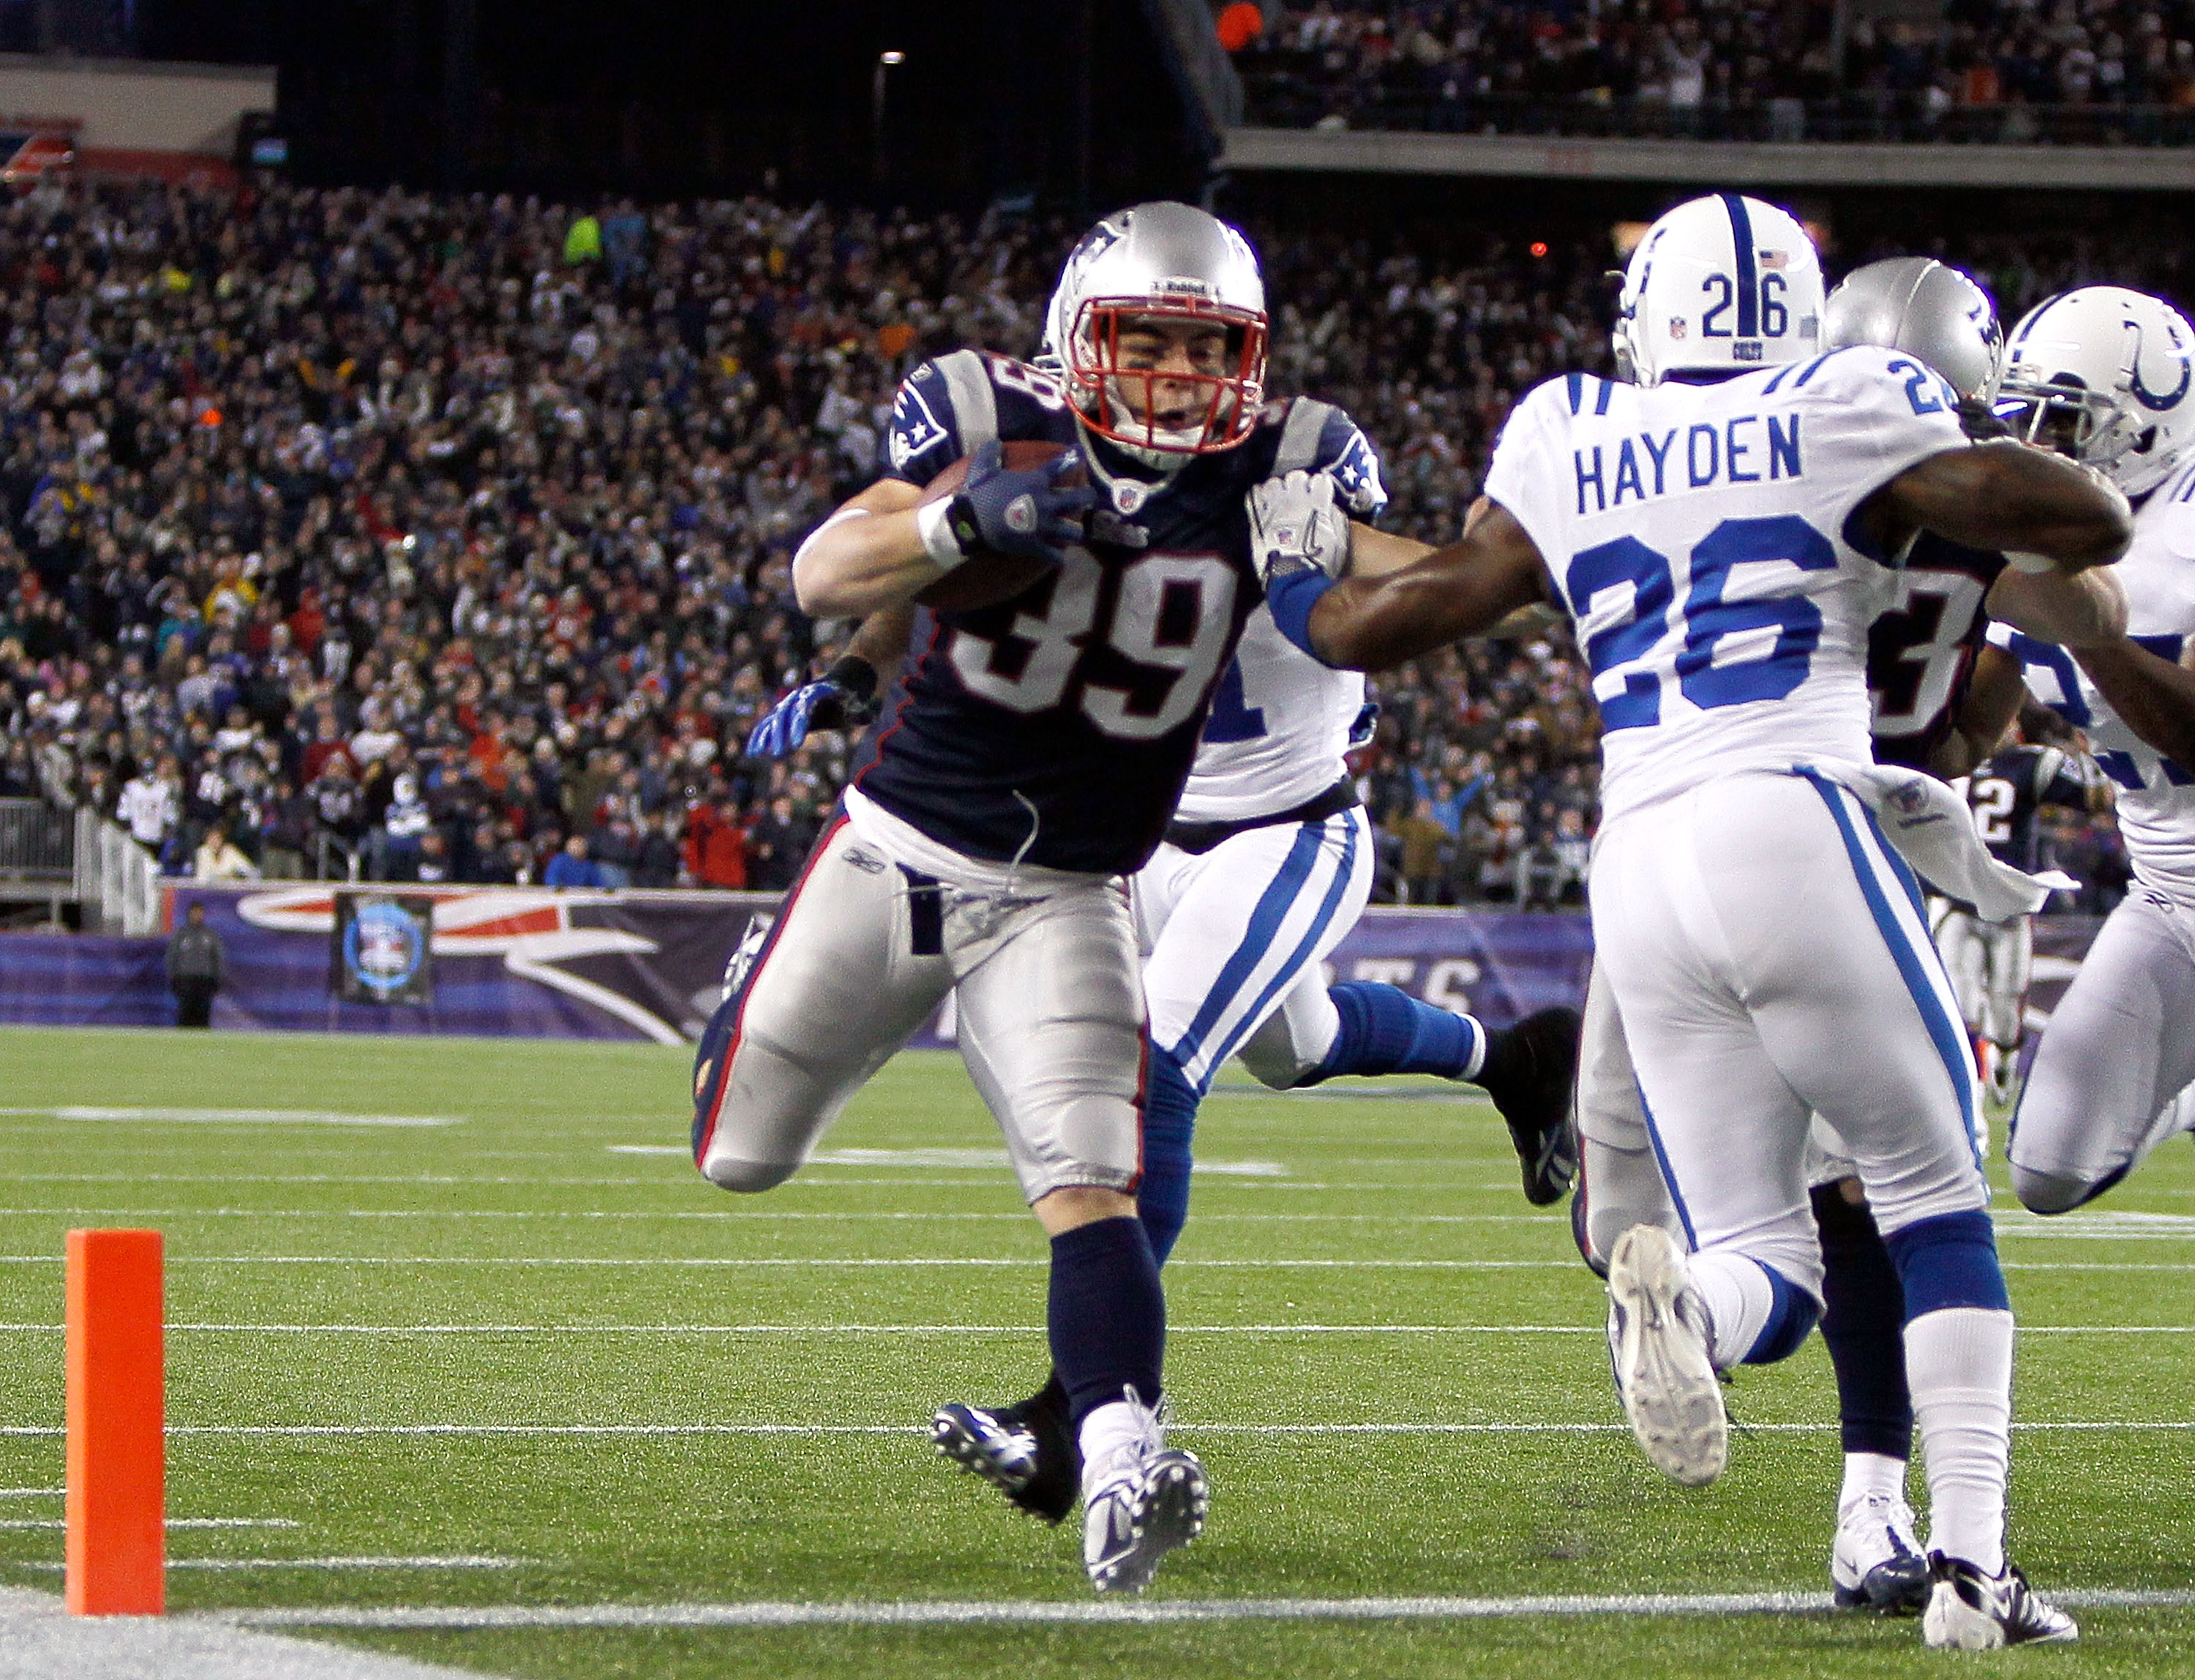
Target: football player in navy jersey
[[1029, 754]]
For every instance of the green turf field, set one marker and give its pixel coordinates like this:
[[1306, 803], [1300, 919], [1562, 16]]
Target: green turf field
[[529, 1360]]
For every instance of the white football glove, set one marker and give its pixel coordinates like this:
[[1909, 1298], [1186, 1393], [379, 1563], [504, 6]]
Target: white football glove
[[1294, 525]]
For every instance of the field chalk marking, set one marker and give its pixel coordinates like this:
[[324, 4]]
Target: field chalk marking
[[945, 1613]]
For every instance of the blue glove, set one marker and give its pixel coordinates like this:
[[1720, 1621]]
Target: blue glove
[[1367, 724], [1030, 514], [843, 698]]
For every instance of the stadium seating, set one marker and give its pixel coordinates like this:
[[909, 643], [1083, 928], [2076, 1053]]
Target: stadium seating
[[413, 536], [1973, 70]]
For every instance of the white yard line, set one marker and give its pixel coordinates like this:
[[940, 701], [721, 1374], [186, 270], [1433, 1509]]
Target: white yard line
[[921, 1431], [177, 1522], [719, 1216], [428, 1562], [236, 1117], [917, 1262], [942, 1613], [970, 1329]]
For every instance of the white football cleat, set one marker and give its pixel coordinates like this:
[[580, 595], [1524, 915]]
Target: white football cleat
[[1140, 1502], [1969, 1611], [1876, 1562], [1658, 1343]]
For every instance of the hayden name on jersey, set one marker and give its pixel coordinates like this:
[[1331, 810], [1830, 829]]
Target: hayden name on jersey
[[1702, 537], [2155, 797], [1057, 729]]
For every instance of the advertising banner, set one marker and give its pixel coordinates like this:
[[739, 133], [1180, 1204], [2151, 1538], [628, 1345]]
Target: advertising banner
[[530, 963]]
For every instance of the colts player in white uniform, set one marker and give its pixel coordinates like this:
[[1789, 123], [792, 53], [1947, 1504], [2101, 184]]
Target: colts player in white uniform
[[1723, 533], [1928, 713], [2108, 375]]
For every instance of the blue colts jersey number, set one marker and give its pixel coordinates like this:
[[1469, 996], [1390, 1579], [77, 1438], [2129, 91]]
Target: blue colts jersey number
[[1732, 652], [1232, 718]]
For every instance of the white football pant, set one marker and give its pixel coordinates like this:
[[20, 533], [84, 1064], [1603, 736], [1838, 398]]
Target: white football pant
[[1989, 963], [1237, 938], [2110, 1078], [1768, 961]]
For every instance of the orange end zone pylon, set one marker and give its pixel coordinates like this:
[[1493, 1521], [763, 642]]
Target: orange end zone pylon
[[117, 1449]]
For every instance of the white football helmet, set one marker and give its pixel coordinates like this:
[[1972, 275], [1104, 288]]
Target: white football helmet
[[1166, 261], [2108, 375], [1928, 309], [1721, 285]]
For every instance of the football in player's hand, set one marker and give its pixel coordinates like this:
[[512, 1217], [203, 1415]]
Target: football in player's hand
[[987, 577]]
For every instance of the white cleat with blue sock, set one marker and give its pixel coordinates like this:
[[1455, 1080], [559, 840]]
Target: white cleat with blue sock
[[1660, 1343], [1141, 1497]]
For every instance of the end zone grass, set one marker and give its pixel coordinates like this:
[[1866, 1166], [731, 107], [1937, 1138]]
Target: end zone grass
[[510, 1361]]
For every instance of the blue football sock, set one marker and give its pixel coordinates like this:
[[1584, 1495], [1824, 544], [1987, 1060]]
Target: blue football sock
[[1863, 1326], [1107, 1315], [1949, 1261], [1169, 1127], [1386, 1031]]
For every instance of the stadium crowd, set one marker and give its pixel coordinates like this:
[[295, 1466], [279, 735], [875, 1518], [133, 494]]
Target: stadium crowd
[[2006, 71], [448, 539]]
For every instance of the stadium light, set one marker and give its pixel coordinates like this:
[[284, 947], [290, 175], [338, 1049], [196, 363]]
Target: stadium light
[[886, 59]]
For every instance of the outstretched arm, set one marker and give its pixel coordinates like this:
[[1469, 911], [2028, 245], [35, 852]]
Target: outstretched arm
[[1369, 623], [2009, 497]]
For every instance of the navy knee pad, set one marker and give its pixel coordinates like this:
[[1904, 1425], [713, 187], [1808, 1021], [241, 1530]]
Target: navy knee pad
[[1949, 1261], [1790, 1317]]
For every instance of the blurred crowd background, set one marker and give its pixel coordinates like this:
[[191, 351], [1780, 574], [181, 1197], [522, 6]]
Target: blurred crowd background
[[2003, 71], [447, 538]]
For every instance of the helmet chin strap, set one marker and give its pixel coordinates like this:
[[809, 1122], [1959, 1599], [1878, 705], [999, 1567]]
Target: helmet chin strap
[[1164, 462]]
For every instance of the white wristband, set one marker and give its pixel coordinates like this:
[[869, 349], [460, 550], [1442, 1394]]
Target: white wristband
[[937, 539], [2030, 564]]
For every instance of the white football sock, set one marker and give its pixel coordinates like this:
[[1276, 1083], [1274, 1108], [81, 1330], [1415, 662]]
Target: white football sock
[[1871, 1475], [1121, 1427], [1958, 1362], [1739, 1299]]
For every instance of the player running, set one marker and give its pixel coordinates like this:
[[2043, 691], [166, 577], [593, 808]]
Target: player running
[[1265, 866], [1034, 752], [1724, 532], [1929, 712], [1991, 962], [2108, 375]]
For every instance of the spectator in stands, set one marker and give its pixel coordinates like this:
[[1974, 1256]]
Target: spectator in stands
[[572, 867], [219, 858], [151, 805], [194, 969]]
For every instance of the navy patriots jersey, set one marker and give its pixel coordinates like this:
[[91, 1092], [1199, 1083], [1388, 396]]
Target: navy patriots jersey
[[1058, 728], [2006, 792], [1920, 654]]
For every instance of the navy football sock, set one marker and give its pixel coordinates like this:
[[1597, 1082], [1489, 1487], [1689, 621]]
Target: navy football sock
[[1169, 1126], [1107, 1315], [1386, 1031], [1863, 1326]]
